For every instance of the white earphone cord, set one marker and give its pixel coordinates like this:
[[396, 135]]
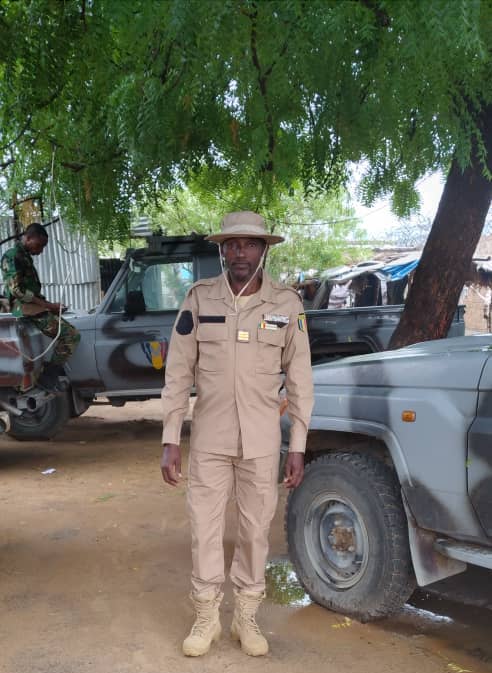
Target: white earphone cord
[[235, 297]]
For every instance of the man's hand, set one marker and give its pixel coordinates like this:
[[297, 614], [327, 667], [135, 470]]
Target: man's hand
[[294, 469], [171, 464]]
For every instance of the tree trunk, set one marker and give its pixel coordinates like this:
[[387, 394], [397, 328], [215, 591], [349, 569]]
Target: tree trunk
[[448, 252]]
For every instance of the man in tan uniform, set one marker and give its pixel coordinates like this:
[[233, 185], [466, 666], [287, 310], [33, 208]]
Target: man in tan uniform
[[235, 337]]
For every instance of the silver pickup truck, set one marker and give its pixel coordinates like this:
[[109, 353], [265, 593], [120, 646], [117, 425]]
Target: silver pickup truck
[[398, 485]]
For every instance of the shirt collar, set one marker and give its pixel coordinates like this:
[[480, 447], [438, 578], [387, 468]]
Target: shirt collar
[[219, 290]]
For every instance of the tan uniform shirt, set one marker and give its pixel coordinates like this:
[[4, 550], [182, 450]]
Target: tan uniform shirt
[[236, 362]]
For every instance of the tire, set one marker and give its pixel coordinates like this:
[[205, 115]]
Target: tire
[[366, 571], [43, 423]]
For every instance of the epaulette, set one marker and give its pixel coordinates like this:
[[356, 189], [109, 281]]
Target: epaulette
[[289, 288], [202, 281]]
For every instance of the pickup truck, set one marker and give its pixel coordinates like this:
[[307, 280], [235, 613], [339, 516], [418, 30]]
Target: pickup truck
[[124, 340], [337, 333], [398, 483], [123, 344]]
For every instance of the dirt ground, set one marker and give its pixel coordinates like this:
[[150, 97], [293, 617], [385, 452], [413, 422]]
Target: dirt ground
[[95, 561]]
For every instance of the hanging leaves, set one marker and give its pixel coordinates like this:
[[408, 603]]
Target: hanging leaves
[[143, 94]]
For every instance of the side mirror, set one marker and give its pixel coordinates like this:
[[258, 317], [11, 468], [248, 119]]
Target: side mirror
[[135, 304]]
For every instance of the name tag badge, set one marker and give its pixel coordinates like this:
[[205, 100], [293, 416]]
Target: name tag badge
[[242, 336], [280, 320]]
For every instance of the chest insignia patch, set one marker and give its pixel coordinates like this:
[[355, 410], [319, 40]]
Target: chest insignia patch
[[242, 336], [268, 325]]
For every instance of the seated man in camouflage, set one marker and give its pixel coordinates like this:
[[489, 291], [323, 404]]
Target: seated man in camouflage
[[23, 290]]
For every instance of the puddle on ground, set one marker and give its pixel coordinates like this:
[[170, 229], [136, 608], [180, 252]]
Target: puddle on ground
[[282, 585], [466, 628], [438, 621]]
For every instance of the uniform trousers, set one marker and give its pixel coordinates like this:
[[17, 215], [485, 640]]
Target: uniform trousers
[[212, 480], [68, 339]]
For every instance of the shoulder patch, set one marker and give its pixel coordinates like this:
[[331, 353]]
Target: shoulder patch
[[184, 325]]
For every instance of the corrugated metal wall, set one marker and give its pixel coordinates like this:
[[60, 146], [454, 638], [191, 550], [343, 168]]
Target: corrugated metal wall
[[68, 267]]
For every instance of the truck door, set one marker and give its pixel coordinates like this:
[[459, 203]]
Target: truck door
[[134, 328], [479, 463]]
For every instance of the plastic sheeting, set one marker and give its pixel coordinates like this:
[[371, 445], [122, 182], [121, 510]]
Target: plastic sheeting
[[394, 271]]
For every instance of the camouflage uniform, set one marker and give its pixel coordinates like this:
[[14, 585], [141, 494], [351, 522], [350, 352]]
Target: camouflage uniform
[[22, 284]]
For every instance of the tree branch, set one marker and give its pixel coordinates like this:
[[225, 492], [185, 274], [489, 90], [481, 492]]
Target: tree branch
[[18, 136], [83, 14], [262, 83], [167, 59], [7, 163], [75, 167], [281, 53]]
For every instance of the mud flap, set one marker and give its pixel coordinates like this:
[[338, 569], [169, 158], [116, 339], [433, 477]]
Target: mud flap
[[428, 564]]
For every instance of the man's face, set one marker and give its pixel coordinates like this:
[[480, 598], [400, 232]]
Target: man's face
[[35, 244], [242, 257]]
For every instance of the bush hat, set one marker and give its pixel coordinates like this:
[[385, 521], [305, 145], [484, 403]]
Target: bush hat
[[244, 224]]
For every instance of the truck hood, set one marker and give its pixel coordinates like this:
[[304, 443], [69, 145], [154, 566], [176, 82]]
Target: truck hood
[[82, 320], [446, 363], [76, 313]]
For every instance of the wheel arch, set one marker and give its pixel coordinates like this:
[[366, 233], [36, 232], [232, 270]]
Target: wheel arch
[[329, 434]]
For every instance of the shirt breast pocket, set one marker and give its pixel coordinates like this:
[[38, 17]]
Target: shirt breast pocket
[[270, 345], [212, 346]]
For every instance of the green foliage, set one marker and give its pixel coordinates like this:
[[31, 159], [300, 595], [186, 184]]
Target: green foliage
[[127, 98]]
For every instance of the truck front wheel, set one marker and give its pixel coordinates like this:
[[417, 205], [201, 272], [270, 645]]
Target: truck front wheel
[[347, 536], [43, 423]]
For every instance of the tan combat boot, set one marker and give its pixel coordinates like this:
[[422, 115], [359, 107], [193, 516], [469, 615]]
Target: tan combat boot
[[244, 627], [207, 626]]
